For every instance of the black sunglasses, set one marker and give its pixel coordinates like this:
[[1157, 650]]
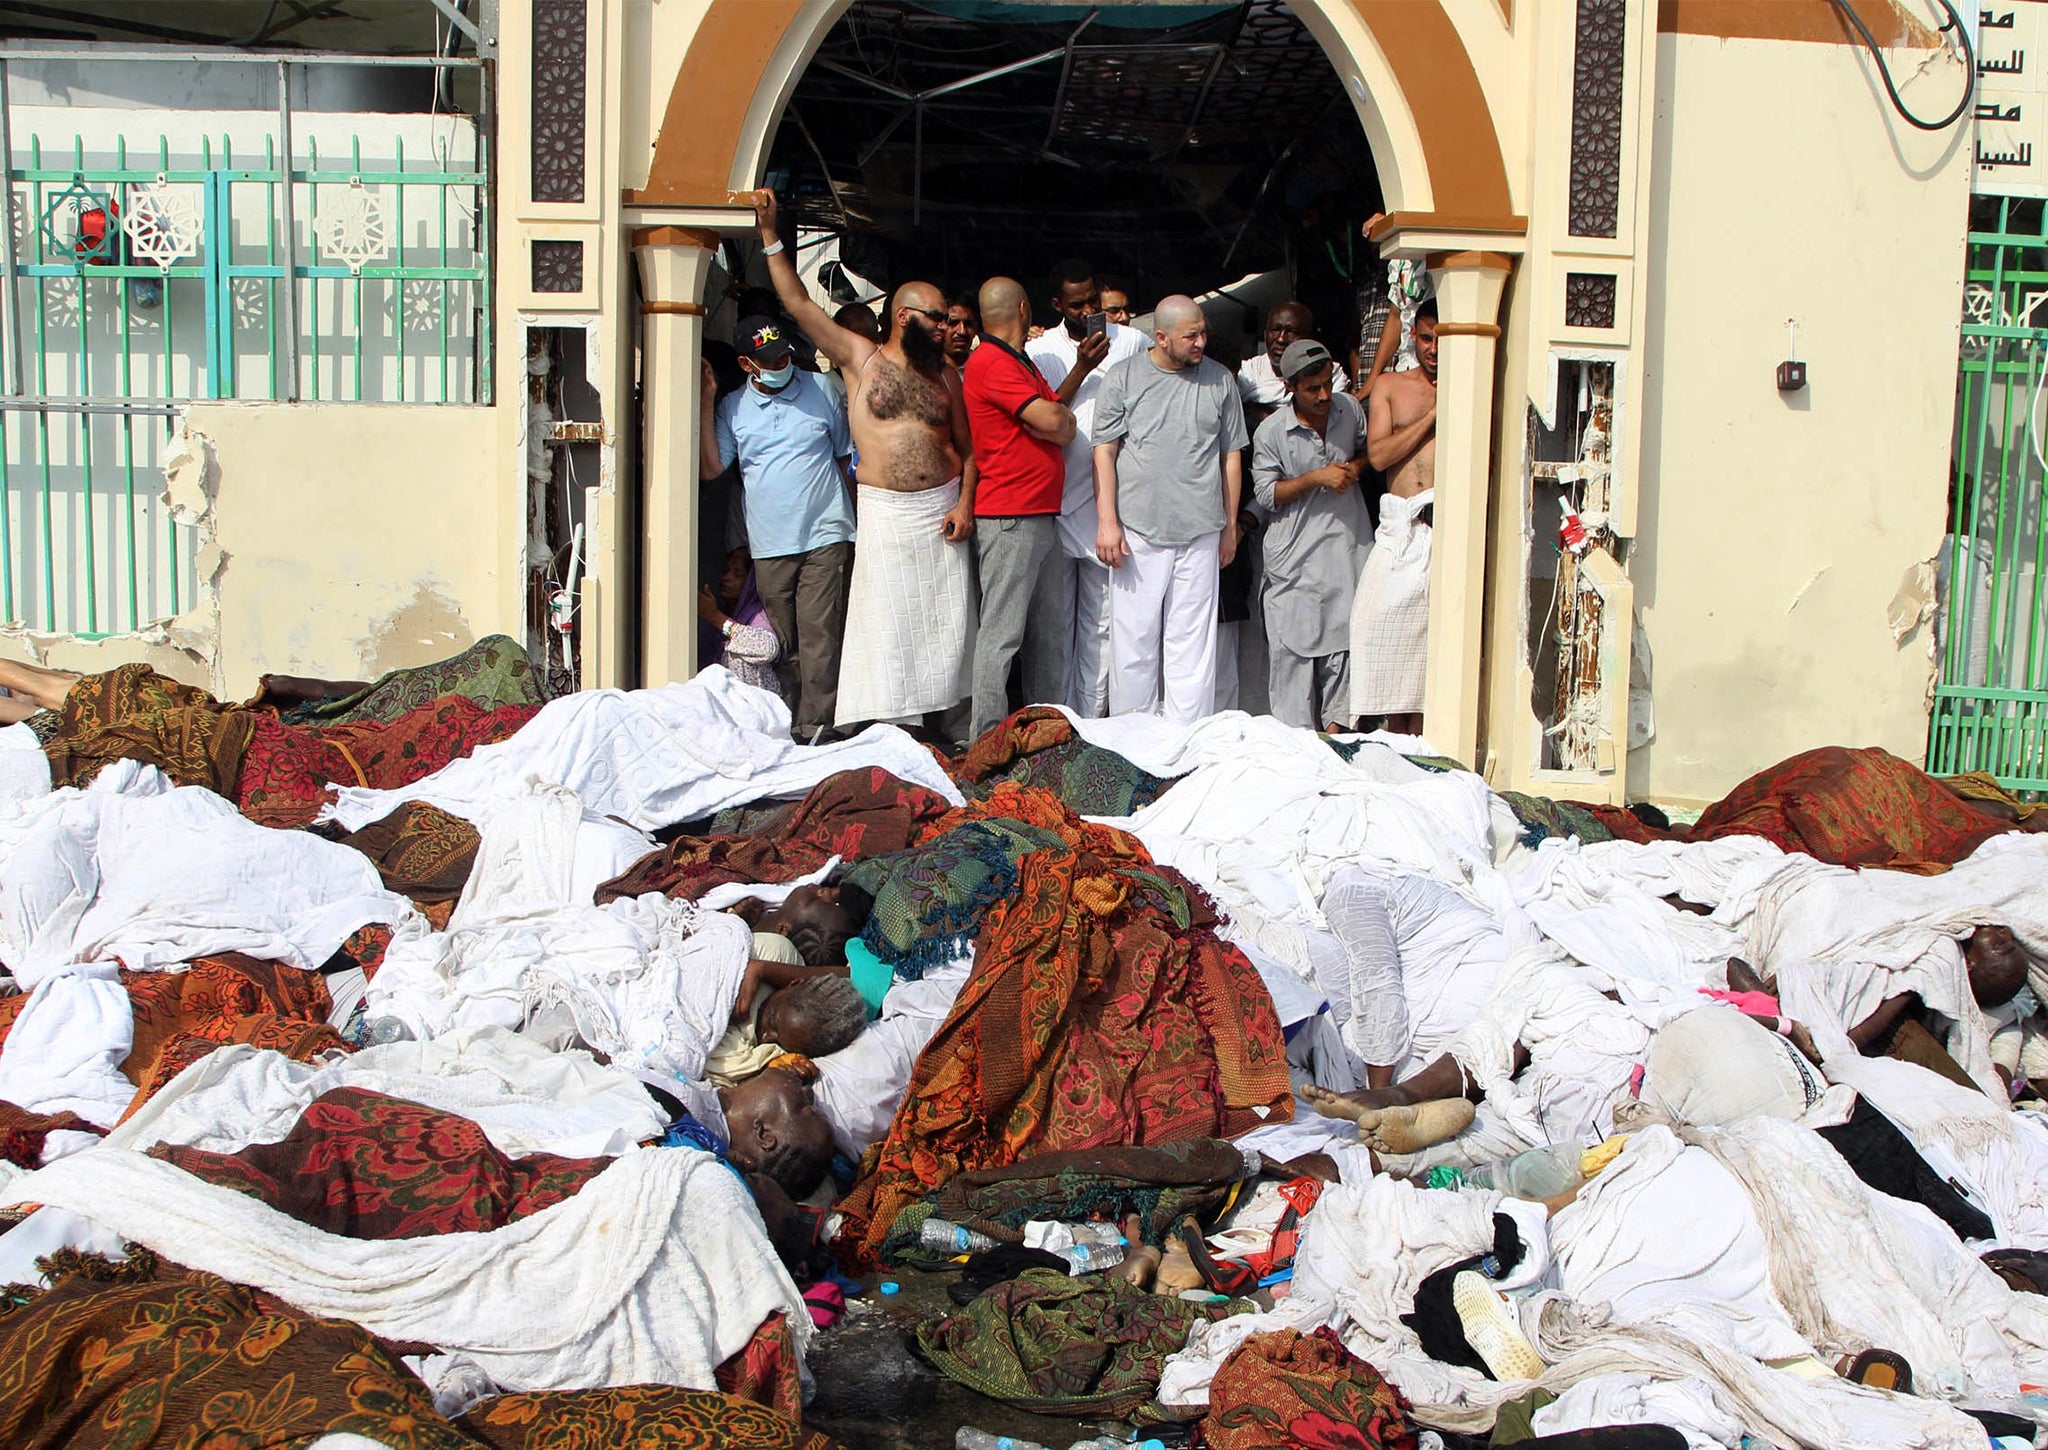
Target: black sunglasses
[[937, 317]]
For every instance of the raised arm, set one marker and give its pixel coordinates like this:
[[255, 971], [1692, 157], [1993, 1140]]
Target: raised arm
[[848, 349], [709, 460], [1386, 446]]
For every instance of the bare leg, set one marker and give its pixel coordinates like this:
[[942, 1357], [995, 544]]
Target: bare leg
[[46, 688], [13, 711]]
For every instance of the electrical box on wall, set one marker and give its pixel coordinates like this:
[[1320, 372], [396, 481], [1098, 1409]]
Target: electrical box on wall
[[1791, 376]]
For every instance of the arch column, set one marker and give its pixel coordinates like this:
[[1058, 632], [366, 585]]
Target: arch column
[[1468, 293], [673, 262]]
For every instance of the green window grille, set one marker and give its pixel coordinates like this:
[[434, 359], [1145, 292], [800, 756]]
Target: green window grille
[[1990, 710], [146, 271]]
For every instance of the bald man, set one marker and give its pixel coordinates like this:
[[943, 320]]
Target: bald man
[[1169, 472], [911, 612], [1019, 426]]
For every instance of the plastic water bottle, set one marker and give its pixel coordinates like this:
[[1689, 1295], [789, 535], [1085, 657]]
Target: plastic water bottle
[[953, 1238], [1538, 1173], [1089, 1258], [388, 1029], [969, 1438]]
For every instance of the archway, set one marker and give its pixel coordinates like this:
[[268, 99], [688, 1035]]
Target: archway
[[1445, 186]]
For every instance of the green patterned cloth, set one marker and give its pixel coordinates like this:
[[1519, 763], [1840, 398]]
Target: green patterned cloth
[[493, 672], [929, 900], [1056, 1345]]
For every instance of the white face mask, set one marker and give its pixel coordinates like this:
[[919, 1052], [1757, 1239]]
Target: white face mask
[[777, 378]]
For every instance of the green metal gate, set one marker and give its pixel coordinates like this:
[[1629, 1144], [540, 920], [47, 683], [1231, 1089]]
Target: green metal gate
[[1991, 697], [154, 264]]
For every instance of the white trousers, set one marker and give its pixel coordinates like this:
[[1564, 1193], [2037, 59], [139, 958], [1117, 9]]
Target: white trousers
[[1087, 595], [1162, 621]]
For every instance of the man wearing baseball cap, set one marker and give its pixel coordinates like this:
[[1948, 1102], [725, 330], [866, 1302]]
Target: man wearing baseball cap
[[791, 439], [1306, 460]]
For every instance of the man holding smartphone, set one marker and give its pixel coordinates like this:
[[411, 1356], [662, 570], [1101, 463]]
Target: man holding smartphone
[[1072, 356]]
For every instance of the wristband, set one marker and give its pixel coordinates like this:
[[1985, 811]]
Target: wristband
[[726, 629], [1784, 1026], [772, 248]]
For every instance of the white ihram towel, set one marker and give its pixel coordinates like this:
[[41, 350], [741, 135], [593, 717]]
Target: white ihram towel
[[1390, 615], [655, 1272], [911, 613]]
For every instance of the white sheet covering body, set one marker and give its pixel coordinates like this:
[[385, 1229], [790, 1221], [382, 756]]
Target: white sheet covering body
[[1839, 942], [648, 981], [860, 1087], [652, 758], [155, 880], [655, 1272], [525, 1098]]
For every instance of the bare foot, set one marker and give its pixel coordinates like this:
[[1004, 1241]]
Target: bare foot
[[1411, 1129], [1354, 1106]]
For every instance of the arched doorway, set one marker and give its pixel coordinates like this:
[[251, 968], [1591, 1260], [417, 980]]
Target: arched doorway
[[1425, 117]]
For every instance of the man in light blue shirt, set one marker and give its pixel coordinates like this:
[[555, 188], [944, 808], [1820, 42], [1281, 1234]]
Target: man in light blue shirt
[[791, 439]]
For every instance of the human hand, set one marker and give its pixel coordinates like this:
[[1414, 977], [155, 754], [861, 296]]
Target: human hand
[[764, 213], [707, 608], [958, 525], [710, 383], [1370, 222], [1342, 475], [1033, 333], [1090, 351], [1227, 550], [1110, 547]]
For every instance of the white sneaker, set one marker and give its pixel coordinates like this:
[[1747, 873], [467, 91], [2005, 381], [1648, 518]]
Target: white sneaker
[[1491, 1330]]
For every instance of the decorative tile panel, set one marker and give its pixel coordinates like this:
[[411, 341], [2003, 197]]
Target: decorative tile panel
[[558, 267], [1597, 57], [561, 30], [1589, 299]]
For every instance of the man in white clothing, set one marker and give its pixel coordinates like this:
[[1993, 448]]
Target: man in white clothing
[[1169, 436], [1259, 379], [1072, 357]]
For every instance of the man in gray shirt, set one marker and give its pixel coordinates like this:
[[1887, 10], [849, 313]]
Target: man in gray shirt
[[1306, 459], [1168, 475]]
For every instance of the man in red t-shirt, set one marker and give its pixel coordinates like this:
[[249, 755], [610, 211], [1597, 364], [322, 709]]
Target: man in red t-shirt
[[1019, 426]]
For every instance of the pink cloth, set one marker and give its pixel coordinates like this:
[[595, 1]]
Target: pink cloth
[[1750, 1004]]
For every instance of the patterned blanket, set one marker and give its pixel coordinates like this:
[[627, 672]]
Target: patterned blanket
[[1037, 747], [493, 672], [1852, 808], [1102, 1011], [854, 814], [366, 1166]]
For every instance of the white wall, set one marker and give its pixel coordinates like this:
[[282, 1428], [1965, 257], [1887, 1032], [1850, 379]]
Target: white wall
[[1775, 529]]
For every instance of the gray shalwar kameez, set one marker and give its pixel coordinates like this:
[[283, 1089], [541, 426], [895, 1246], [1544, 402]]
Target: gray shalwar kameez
[[1315, 549]]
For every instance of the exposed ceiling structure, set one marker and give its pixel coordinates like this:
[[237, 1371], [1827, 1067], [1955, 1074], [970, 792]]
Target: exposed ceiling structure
[[1181, 145], [362, 27]]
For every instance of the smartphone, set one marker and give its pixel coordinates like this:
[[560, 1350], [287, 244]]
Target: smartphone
[[1095, 324]]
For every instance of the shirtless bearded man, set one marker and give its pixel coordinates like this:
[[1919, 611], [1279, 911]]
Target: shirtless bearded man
[[911, 613], [1390, 614]]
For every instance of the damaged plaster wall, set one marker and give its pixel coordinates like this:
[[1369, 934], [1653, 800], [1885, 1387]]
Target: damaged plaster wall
[[186, 647], [1775, 528], [352, 539]]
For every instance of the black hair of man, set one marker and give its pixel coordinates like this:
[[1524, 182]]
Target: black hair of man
[[964, 297], [834, 1008], [1069, 270], [859, 318], [818, 944], [1427, 311]]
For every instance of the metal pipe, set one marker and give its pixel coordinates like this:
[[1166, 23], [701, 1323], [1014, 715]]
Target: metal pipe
[[102, 54], [10, 306], [84, 405], [288, 302]]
